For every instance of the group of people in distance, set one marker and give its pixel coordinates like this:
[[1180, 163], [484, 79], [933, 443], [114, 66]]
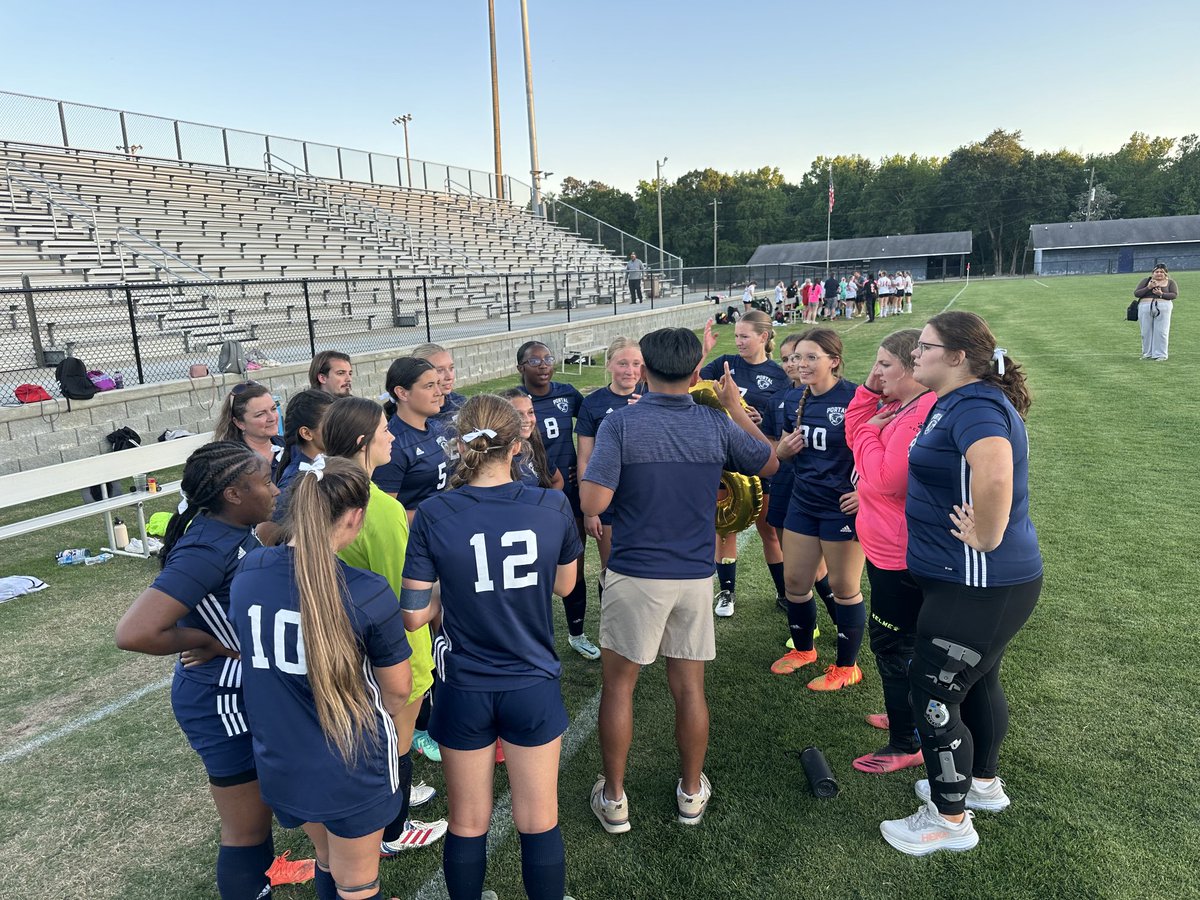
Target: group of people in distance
[[853, 297], [378, 583]]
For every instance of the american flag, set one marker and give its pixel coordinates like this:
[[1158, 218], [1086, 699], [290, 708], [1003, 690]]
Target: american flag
[[831, 191]]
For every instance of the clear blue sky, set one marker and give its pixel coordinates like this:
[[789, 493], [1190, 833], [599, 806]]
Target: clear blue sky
[[734, 86]]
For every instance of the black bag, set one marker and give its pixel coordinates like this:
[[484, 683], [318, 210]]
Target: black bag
[[73, 379], [1131, 314], [124, 438]]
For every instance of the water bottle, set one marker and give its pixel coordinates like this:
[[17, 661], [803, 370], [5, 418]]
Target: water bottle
[[120, 534], [119, 380]]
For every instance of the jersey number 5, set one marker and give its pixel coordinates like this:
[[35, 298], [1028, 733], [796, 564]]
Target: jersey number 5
[[483, 579], [287, 624]]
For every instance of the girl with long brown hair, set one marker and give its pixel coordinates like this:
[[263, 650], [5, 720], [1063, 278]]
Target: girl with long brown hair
[[250, 416]]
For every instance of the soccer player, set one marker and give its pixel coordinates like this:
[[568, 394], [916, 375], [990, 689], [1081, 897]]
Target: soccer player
[[532, 465], [227, 490], [356, 428], [974, 551], [301, 435], [658, 464], [498, 548], [887, 290], [420, 466], [623, 359], [884, 417], [327, 669], [759, 378], [440, 358], [330, 371], [820, 518], [250, 416], [557, 406]]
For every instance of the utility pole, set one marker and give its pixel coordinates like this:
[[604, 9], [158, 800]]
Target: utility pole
[[1091, 195], [658, 186], [535, 169], [495, 100], [714, 204], [404, 120]]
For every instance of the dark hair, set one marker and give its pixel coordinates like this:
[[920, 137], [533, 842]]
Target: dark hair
[[534, 446], [321, 363], [404, 373], [479, 412], [207, 472], [1162, 266], [304, 410], [349, 425], [671, 354], [901, 345], [969, 333], [526, 347], [234, 408]]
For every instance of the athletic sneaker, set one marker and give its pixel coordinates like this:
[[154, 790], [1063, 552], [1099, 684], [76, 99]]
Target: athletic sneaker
[[724, 607], [613, 814], [420, 794], [585, 648], [836, 678], [793, 660], [879, 720], [925, 832], [291, 871], [499, 752], [980, 795], [416, 835], [426, 746], [888, 759], [691, 806]]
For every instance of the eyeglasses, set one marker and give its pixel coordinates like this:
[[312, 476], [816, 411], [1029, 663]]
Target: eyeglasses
[[807, 358], [242, 387], [538, 361], [922, 346]]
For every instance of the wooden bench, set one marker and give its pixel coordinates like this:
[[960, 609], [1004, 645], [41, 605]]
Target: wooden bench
[[584, 344], [38, 484]]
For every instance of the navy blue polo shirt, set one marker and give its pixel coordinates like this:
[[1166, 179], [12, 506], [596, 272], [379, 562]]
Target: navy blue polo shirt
[[663, 459], [940, 478]]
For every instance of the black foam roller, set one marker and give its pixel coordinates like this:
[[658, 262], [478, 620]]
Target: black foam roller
[[820, 777]]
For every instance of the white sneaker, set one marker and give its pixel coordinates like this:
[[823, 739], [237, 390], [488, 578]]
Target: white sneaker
[[980, 795], [416, 835], [420, 794], [585, 648], [925, 832], [725, 601], [613, 814], [692, 806]]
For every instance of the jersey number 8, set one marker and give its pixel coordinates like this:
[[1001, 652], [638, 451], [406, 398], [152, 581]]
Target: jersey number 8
[[483, 579], [551, 426]]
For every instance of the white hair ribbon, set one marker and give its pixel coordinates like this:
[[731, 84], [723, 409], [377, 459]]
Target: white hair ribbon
[[182, 507], [482, 432], [316, 467], [998, 358]]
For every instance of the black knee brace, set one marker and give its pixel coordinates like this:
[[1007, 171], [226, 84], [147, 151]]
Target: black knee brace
[[942, 671]]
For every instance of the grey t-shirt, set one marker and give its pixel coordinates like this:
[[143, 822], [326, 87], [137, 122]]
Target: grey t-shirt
[[634, 269]]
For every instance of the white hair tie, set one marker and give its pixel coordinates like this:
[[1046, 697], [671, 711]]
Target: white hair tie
[[182, 507], [316, 467], [482, 432], [998, 358]]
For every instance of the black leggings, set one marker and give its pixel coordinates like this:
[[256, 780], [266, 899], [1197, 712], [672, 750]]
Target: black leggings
[[960, 708], [895, 603]]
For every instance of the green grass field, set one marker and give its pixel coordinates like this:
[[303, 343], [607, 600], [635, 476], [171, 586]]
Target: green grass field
[[1100, 761]]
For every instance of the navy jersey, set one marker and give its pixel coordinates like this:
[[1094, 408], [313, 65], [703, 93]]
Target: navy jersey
[[496, 551], [824, 469], [451, 404], [198, 572], [781, 420], [286, 477], [939, 478], [759, 383], [528, 470], [662, 458], [596, 405], [299, 771], [420, 466], [555, 414]]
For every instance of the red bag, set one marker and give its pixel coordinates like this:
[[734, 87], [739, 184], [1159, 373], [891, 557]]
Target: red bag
[[31, 393]]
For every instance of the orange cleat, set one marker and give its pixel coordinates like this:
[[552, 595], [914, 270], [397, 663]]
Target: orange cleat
[[499, 752], [836, 678], [793, 660], [291, 871]]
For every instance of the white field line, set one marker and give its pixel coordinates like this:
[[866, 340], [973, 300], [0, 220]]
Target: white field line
[[1035, 281], [23, 750], [959, 294]]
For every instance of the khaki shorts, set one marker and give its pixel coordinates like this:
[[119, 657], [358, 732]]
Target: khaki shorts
[[644, 618]]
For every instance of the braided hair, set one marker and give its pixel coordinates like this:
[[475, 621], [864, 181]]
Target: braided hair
[[495, 414], [206, 475], [304, 410]]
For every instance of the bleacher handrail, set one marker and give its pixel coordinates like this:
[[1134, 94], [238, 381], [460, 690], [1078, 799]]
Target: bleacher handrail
[[159, 251], [51, 201]]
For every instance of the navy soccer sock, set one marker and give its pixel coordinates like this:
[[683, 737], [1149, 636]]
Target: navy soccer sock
[[323, 882], [575, 607], [242, 871], [727, 575], [851, 622], [393, 831], [464, 861], [543, 865], [802, 619], [825, 592], [776, 570]]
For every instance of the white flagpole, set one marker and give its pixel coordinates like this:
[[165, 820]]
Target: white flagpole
[[828, 220]]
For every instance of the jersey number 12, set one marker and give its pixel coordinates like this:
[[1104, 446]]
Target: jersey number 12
[[483, 578]]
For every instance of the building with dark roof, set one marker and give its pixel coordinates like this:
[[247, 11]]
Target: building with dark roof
[[924, 255], [1115, 245]]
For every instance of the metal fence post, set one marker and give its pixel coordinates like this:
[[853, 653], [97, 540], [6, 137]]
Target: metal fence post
[[508, 301], [178, 142], [137, 350], [567, 294], [225, 144], [62, 123], [124, 132], [39, 355], [425, 294], [312, 337]]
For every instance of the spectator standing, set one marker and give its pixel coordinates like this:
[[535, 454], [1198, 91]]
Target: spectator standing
[[1156, 299], [633, 272]]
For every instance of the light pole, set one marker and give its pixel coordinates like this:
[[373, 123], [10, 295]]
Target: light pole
[[404, 120], [658, 185], [714, 205]]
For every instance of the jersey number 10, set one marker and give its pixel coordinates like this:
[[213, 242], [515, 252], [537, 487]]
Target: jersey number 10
[[287, 623], [483, 578]]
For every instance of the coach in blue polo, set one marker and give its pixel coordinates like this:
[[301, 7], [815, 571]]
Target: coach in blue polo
[[658, 463]]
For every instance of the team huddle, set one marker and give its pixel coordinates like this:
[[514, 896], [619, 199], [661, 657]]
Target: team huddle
[[377, 583]]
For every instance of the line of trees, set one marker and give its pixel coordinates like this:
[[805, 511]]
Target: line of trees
[[995, 188]]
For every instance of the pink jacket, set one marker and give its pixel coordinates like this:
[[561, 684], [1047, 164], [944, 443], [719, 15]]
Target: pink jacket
[[881, 458]]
